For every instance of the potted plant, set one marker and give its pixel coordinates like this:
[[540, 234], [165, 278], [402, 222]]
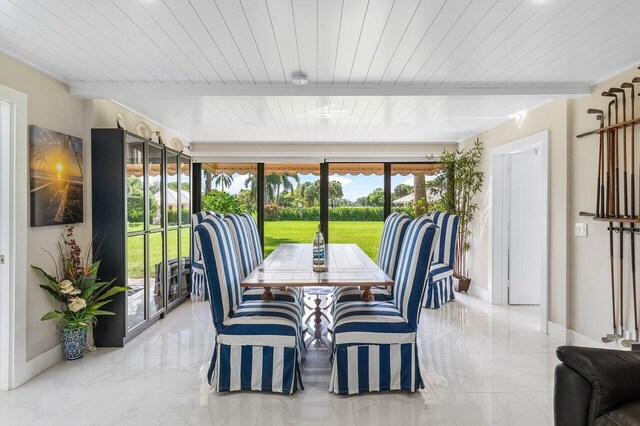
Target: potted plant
[[457, 186], [75, 285]]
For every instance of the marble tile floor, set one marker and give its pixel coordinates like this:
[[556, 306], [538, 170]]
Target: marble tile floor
[[483, 364]]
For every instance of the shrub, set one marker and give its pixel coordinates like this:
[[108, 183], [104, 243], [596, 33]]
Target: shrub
[[300, 213], [357, 214], [221, 202], [271, 212]]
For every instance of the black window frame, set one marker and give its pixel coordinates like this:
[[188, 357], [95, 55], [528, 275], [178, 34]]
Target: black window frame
[[196, 196]]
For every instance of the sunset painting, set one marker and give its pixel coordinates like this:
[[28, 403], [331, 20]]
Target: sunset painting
[[56, 177]]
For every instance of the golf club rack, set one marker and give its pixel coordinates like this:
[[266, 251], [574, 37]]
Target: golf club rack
[[616, 196]]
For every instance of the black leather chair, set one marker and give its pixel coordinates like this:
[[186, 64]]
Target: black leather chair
[[596, 387]]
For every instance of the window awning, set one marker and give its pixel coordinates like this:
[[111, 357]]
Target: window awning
[[314, 169]]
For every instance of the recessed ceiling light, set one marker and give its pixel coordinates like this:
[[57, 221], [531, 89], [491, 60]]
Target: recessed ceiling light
[[249, 123], [299, 79]]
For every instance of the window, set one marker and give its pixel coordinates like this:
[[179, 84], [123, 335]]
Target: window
[[229, 188], [291, 204], [356, 205], [417, 188], [357, 199]]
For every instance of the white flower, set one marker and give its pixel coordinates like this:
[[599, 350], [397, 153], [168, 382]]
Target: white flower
[[66, 287], [77, 303]]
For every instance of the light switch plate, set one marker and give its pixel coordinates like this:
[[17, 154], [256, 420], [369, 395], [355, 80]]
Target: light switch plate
[[581, 230]]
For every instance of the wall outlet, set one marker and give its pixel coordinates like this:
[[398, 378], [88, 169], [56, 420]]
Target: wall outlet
[[581, 230]]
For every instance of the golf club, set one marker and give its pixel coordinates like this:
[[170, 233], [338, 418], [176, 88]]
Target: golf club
[[610, 212], [629, 342], [600, 183]]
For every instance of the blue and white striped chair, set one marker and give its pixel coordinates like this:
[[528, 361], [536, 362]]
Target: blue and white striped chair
[[440, 288], [198, 279], [250, 250], [242, 244], [258, 343], [393, 232], [254, 237], [375, 343]]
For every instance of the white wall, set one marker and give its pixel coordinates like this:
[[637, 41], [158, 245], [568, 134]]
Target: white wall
[[275, 152]]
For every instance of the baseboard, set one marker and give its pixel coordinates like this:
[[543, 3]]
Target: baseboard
[[478, 292], [573, 338], [557, 331], [576, 339], [37, 365]]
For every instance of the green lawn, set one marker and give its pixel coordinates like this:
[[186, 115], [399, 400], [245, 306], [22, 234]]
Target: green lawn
[[135, 249], [364, 234]]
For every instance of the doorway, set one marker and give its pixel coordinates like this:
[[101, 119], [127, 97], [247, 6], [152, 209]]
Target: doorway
[[523, 226], [5, 200], [520, 188]]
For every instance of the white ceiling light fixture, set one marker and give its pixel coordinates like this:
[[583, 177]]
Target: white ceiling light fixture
[[299, 79]]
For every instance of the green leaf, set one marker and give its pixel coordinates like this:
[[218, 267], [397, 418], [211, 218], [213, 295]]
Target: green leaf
[[95, 306], [52, 315], [99, 312], [90, 289], [111, 292], [51, 279], [53, 292]]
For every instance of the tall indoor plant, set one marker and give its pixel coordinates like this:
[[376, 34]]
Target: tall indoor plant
[[76, 286], [463, 168]]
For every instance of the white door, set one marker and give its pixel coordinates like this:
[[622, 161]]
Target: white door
[[525, 225], [5, 182]]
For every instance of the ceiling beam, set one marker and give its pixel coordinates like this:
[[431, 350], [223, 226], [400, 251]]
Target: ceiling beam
[[125, 91]]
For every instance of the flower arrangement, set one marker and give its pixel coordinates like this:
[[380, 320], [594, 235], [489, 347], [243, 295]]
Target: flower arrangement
[[76, 286]]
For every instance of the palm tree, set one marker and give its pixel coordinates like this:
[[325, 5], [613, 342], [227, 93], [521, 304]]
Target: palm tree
[[207, 182], [286, 184], [251, 182], [272, 188], [223, 180], [309, 192], [419, 194], [270, 184]]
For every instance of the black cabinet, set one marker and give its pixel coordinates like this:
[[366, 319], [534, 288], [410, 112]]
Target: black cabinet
[[142, 229]]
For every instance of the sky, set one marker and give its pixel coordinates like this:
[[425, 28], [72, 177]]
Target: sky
[[353, 186]]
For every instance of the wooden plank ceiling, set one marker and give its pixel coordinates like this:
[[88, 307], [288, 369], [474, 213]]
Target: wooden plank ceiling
[[162, 44]]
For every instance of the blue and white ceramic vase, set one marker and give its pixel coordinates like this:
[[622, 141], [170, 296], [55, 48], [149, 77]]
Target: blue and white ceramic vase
[[74, 340]]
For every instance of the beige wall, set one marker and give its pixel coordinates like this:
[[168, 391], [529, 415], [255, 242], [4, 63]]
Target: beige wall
[[104, 116], [551, 117], [580, 297], [50, 105]]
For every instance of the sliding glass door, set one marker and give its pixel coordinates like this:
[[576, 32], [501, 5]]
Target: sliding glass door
[[356, 204], [418, 188], [350, 200], [230, 188], [291, 204]]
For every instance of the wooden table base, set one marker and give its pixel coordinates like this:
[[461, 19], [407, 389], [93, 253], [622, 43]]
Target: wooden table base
[[367, 296], [267, 295]]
